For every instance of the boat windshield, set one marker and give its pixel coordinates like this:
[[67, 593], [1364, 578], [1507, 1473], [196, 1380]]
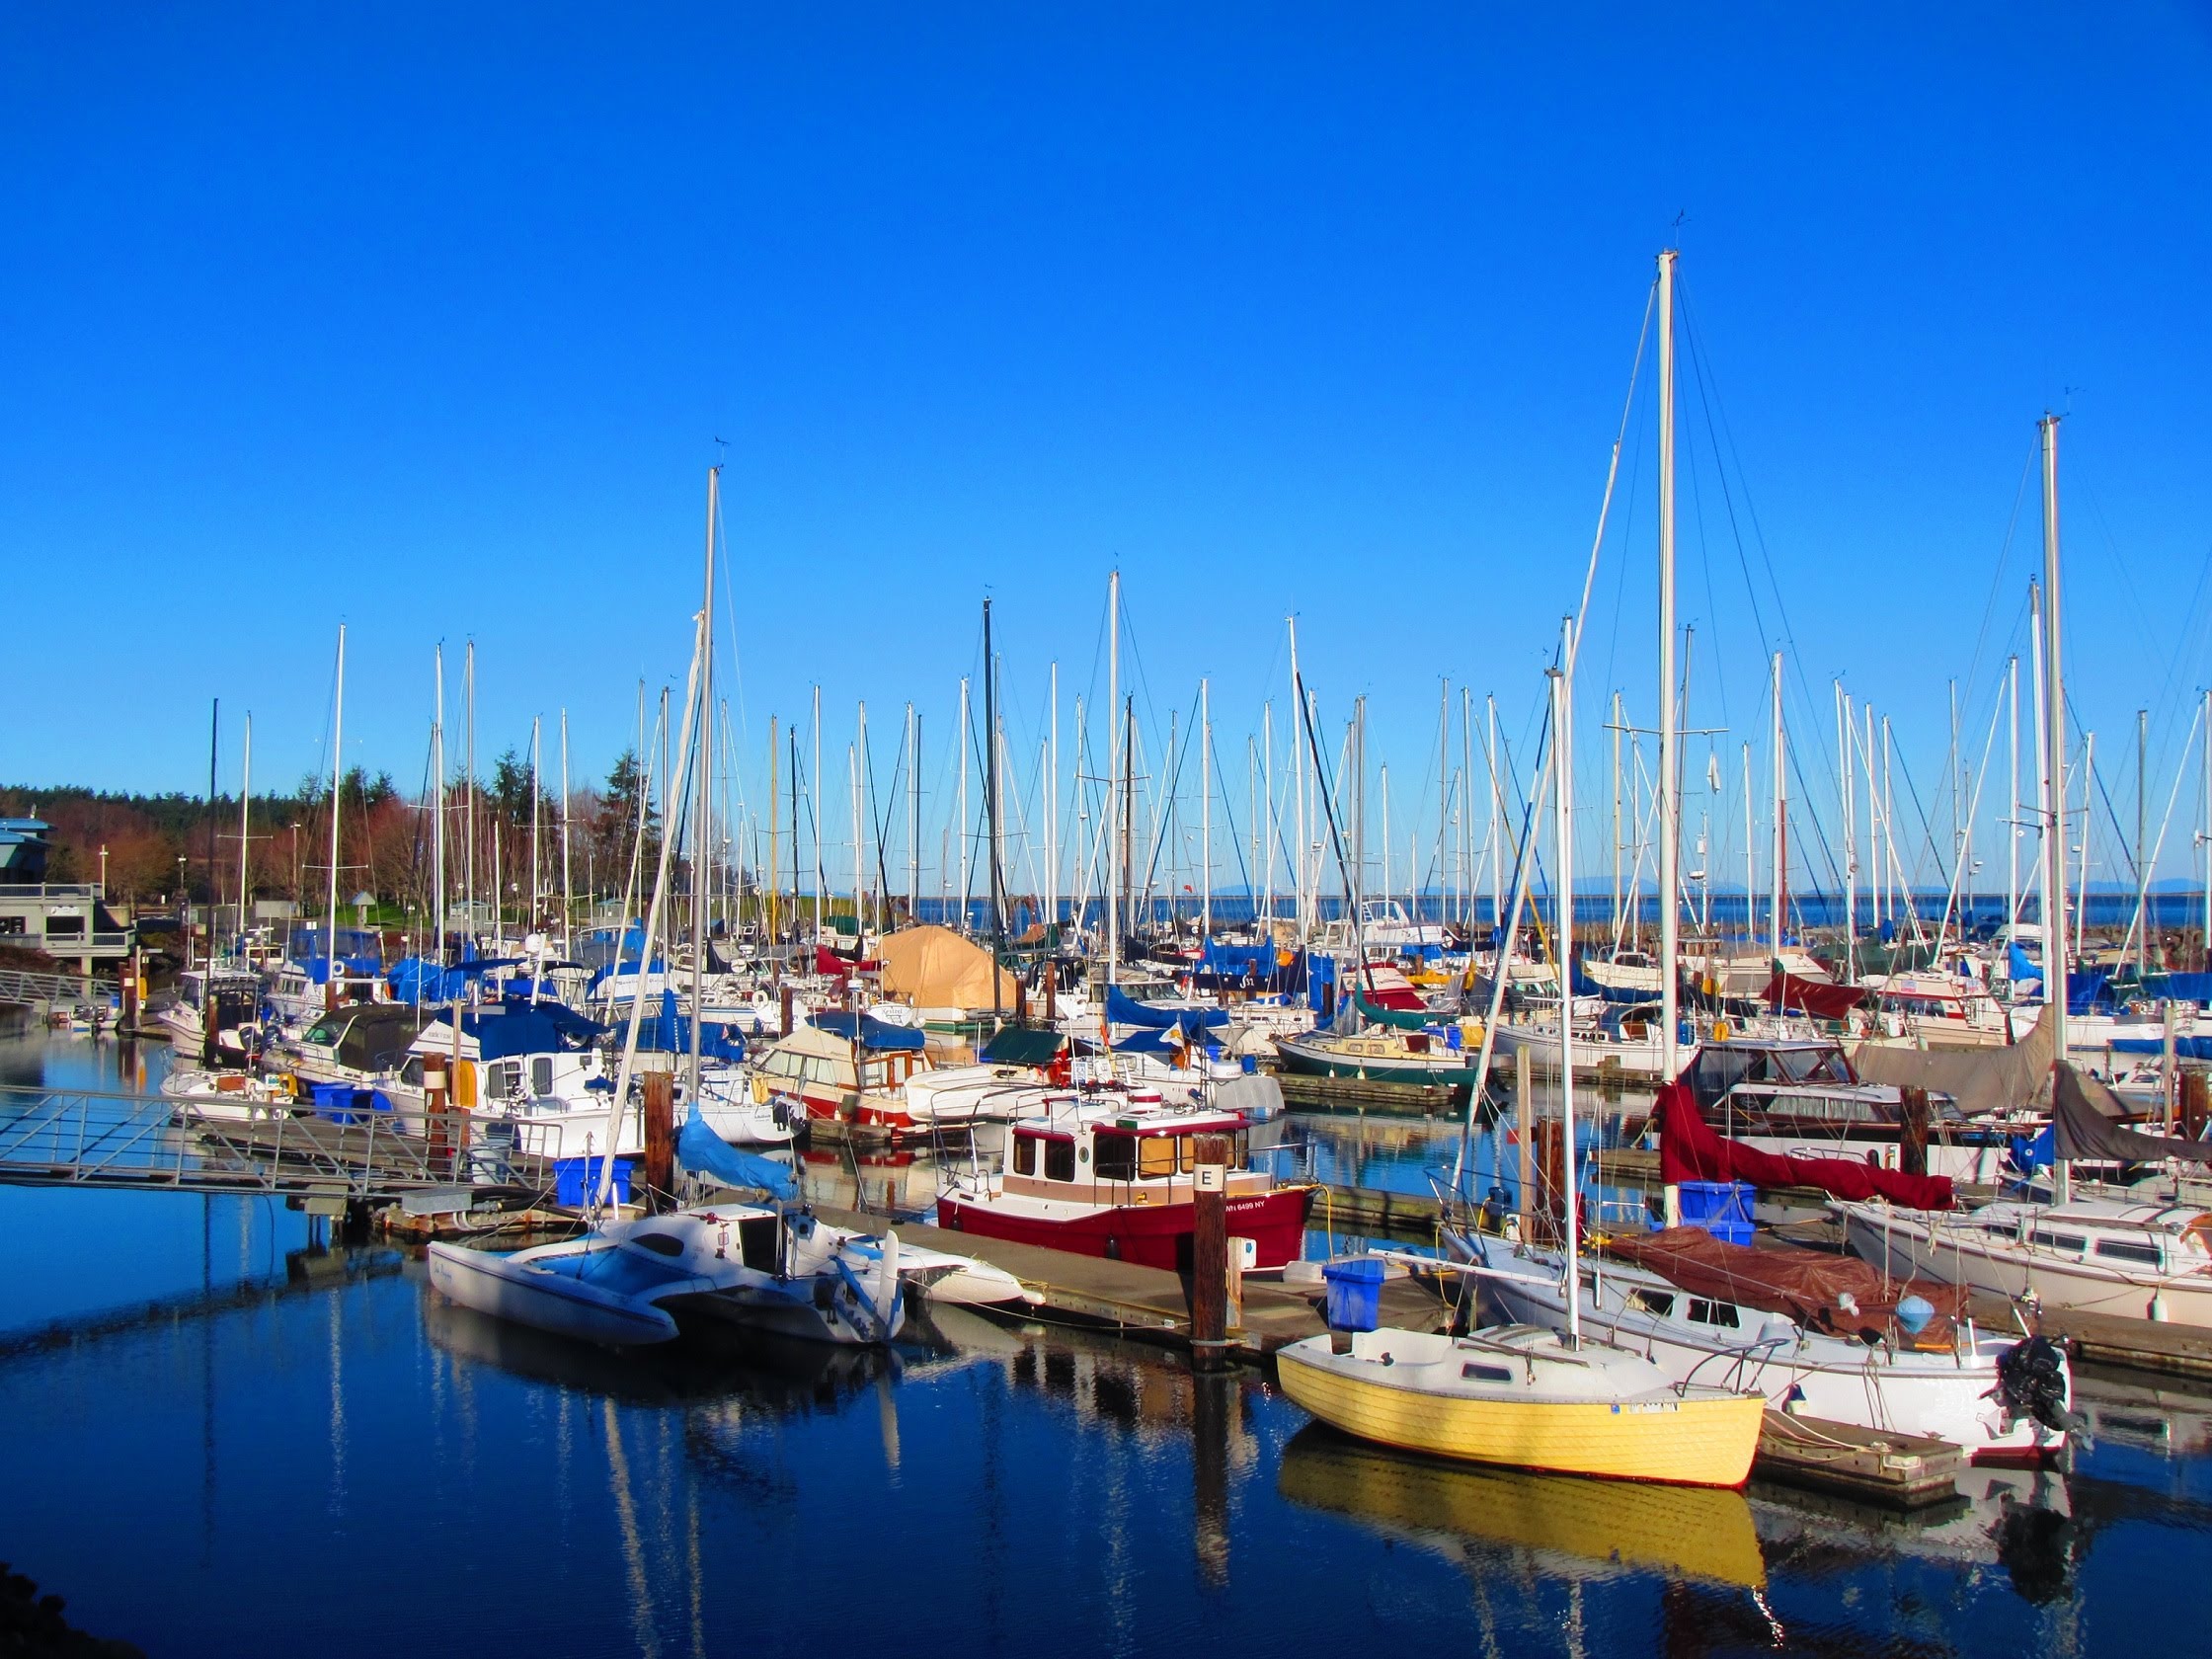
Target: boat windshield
[[1814, 1066]]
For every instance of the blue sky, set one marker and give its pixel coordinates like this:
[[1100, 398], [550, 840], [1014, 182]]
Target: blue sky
[[429, 319]]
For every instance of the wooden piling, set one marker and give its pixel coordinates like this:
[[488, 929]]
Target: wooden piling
[[438, 1108], [783, 1012], [1210, 1254], [660, 1140], [2196, 1101], [1912, 1145]]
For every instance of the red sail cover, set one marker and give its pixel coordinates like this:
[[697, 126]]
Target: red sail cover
[[1690, 1151], [1816, 997]]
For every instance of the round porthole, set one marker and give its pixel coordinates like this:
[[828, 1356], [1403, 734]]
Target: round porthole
[[1082, 1154]]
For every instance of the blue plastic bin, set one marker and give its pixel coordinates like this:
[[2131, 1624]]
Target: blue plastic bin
[[347, 1105], [1355, 1294], [1721, 1207], [576, 1180]]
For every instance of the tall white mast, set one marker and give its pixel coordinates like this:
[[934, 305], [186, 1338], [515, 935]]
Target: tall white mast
[[1563, 728], [702, 813], [1617, 730], [814, 803], [966, 733], [1497, 894], [337, 774], [2042, 760], [1782, 829], [1267, 781], [913, 817], [859, 829], [537, 795], [1052, 809], [468, 803], [438, 809], [2208, 832], [245, 837], [1847, 811], [1669, 851], [568, 872], [1298, 759], [2054, 826], [1114, 776], [2011, 790], [1205, 812]]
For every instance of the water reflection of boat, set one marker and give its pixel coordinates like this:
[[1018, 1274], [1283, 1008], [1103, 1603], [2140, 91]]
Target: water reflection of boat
[[1583, 1528], [2132, 1412], [751, 1366]]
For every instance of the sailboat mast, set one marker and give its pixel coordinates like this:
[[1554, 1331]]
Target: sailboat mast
[[1563, 726], [1847, 812], [2012, 792], [537, 796], [468, 803], [913, 817], [437, 809], [1267, 782], [245, 827], [1670, 851], [814, 808], [702, 798], [337, 773], [2054, 737], [1781, 832], [1490, 757], [990, 806], [967, 735], [1297, 760], [1114, 775], [1052, 809], [1205, 812], [568, 872]]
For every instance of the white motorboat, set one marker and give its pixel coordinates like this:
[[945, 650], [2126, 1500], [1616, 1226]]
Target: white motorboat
[[1945, 1378], [627, 1283], [2143, 1261]]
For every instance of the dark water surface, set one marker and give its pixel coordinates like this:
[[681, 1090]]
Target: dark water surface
[[220, 1440]]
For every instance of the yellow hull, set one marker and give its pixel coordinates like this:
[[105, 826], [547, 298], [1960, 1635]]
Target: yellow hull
[[1683, 1532], [1694, 1442]]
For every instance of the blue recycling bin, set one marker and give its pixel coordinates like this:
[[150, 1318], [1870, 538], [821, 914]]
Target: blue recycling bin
[[1721, 1207], [576, 1181], [1355, 1294]]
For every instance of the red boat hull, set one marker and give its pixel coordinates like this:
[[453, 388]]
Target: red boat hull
[[1151, 1235]]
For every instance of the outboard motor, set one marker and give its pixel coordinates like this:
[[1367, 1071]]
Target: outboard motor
[[2031, 1382]]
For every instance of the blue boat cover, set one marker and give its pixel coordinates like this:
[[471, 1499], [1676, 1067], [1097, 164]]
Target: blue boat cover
[[1124, 1009], [2184, 1047], [701, 1151], [871, 1033], [669, 1032]]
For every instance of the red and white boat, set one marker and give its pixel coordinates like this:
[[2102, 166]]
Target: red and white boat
[[1113, 1172]]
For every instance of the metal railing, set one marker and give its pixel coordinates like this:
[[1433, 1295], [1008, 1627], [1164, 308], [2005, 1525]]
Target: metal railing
[[89, 1138], [23, 986]]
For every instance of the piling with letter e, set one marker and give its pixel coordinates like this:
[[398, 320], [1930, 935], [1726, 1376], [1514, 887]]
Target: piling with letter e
[[1209, 1253]]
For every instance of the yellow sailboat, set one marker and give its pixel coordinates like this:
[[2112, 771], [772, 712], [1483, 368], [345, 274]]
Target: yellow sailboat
[[1517, 1395], [1521, 1397]]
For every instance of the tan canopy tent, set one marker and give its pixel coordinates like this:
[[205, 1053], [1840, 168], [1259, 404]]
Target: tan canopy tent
[[1991, 1079], [935, 967]]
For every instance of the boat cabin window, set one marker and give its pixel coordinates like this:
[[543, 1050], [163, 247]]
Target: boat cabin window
[[1060, 1159], [660, 1243], [1814, 1066], [2121, 1249], [1661, 1303], [1475, 1372], [325, 1032], [1025, 1154], [500, 1078], [2070, 1241], [1707, 1313], [1159, 1155], [542, 1074], [1117, 1157]]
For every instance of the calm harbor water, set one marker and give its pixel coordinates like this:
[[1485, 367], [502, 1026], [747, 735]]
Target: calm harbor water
[[222, 1439]]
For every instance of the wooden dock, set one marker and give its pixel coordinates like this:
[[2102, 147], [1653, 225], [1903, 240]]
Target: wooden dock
[[2108, 1339], [1303, 1093], [1149, 1303], [1371, 1213], [1899, 1470]]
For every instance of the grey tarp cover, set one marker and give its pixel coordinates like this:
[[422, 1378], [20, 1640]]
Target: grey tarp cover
[[1255, 1094], [2085, 1114], [1993, 1079]]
